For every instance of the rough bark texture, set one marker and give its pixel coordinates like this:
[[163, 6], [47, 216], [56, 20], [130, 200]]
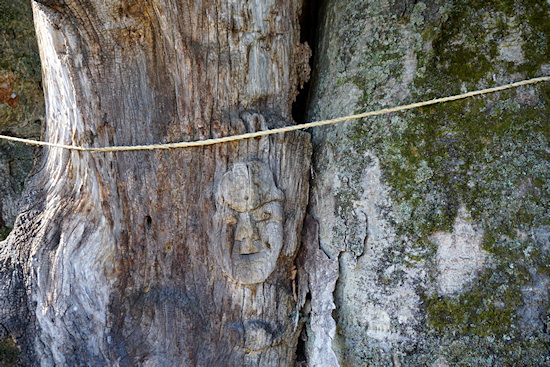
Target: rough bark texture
[[317, 277], [109, 262], [431, 239], [439, 218]]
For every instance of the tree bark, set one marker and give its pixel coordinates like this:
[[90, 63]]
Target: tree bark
[[172, 257]]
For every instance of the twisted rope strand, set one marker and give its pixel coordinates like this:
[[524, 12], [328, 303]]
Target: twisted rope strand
[[279, 130]]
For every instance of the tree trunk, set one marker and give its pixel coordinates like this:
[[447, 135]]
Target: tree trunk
[[164, 257], [428, 242], [438, 218]]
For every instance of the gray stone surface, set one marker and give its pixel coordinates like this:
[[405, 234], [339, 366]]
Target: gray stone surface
[[21, 103], [424, 210]]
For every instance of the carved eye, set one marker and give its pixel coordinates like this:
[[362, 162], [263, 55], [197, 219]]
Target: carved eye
[[231, 219], [266, 215]]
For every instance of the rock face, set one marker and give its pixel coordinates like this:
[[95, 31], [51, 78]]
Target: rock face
[[21, 103], [21, 114], [438, 217], [459, 255]]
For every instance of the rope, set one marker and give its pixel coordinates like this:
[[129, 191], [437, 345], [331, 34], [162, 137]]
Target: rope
[[280, 130]]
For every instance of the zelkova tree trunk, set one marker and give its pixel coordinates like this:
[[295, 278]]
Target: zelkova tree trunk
[[164, 257]]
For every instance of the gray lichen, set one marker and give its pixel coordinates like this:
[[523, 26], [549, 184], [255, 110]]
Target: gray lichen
[[488, 154], [21, 103]]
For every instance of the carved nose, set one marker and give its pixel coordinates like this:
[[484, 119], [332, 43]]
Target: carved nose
[[247, 234]]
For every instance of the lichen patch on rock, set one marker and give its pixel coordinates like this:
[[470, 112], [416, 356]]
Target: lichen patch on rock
[[459, 255]]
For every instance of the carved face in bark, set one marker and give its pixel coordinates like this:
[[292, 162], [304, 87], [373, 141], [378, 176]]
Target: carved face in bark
[[248, 223]]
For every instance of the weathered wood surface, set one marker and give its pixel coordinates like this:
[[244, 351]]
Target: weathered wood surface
[[113, 260], [317, 276]]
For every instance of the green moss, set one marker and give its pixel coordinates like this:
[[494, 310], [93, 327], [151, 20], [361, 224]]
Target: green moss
[[488, 308], [4, 232], [476, 152], [489, 154], [482, 324], [9, 353], [537, 45], [19, 58]]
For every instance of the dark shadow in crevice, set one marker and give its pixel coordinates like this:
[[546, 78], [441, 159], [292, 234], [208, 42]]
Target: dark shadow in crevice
[[301, 353], [309, 27]]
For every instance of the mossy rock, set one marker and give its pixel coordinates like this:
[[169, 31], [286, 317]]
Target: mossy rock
[[21, 96], [9, 353], [489, 155], [21, 102]]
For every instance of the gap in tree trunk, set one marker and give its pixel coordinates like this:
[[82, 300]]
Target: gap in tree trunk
[[309, 28]]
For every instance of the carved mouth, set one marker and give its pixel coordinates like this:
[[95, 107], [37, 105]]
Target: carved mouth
[[251, 269]]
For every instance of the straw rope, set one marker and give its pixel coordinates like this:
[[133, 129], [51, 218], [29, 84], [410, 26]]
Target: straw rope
[[279, 130]]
